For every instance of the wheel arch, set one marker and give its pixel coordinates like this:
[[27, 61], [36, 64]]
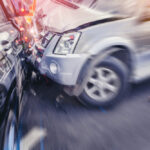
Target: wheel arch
[[119, 47], [109, 47], [124, 54]]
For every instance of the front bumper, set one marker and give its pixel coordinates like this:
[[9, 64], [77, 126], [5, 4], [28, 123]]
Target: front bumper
[[68, 67]]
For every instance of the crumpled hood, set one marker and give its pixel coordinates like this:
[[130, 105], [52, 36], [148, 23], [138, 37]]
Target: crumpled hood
[[62, 18]]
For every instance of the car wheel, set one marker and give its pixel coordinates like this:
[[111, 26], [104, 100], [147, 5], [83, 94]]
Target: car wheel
[[10, 136], [105, 83]]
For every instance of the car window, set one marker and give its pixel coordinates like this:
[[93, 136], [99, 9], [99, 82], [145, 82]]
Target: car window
[[2, 16]]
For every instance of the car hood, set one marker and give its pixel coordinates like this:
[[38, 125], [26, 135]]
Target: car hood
[[61, 18]]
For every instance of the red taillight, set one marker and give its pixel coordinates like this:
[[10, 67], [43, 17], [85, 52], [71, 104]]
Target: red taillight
[[17, 42], [22, 10], [11, 31], [30, 46], [26, 38], [21, 29], [35, 39]]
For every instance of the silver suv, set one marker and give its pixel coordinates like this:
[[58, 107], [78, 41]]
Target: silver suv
[[94, 54]]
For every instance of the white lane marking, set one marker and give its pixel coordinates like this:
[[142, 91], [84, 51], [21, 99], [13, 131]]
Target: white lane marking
[[32, 138]]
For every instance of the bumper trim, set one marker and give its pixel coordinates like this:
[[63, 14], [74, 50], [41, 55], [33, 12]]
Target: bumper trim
[[69, 67]]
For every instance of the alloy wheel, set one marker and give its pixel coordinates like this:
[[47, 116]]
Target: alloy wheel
[[103, 84]]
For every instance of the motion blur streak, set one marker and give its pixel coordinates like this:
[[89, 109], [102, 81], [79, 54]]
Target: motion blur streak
[[96, 49], [74, 127], [32, 138]]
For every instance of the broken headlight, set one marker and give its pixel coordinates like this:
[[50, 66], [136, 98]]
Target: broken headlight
[[67, 43]]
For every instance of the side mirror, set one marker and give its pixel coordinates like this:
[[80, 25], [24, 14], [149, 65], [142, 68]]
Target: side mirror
[[5, 42], [5, 45]]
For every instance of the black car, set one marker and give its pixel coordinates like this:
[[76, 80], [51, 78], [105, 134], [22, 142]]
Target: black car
[[11, 78], [9, 103]]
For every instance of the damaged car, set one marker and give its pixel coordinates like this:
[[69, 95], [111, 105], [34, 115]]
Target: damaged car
[[94, 54], [12, 76]]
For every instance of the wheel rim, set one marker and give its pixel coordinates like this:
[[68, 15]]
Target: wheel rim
[[103, 84]]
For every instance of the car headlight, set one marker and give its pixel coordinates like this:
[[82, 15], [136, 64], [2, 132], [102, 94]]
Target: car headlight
[[67, 43]]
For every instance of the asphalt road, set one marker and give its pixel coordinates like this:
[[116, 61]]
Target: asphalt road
[[45, 125]]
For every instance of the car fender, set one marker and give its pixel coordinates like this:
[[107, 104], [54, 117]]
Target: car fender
[[101, 50], [106, 44]]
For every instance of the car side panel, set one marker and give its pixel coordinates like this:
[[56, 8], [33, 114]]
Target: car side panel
[[97, 33], [119, 33]]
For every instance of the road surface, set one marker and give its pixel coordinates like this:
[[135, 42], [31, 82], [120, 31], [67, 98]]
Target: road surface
[[45, 125]]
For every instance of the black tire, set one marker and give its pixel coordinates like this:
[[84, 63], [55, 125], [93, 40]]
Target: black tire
[[121, 71], [10, 132]]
